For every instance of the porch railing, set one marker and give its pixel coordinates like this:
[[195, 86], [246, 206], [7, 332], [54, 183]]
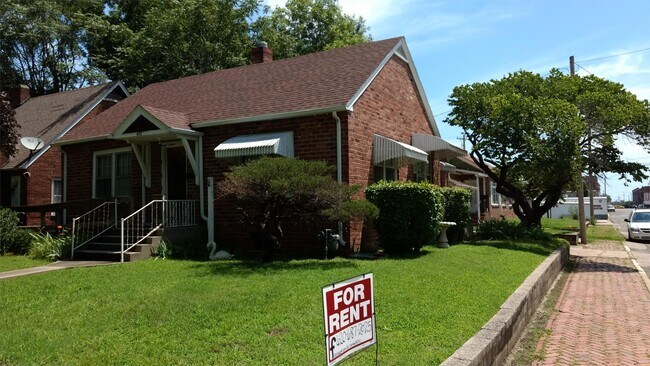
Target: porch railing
[[154, 215], [93, 224]]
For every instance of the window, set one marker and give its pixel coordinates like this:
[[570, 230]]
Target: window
[[15, 190], [57, 190], [385, 170], [494, 196], [112, 173], [422, 172]]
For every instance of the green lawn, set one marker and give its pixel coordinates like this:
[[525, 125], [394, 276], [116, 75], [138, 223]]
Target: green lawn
[[594, 232], [9, 262], [165, 312]]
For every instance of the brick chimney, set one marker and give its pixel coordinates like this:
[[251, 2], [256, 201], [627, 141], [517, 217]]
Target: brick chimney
[[262, 53], [18, 95]]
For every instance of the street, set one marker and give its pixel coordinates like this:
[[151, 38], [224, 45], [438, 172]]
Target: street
[[639, 250]]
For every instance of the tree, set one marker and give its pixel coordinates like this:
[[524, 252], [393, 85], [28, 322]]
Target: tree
[[42, 44], [152, 41], [8, 128], [531, 134], [307, 26], [272, 190]]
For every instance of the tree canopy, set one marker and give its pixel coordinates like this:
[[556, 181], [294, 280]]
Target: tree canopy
[[42, 44], [141, 42], [307, 26], [534, 136], [8, 128]]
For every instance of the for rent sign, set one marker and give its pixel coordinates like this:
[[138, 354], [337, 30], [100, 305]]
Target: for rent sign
[[349, 309]]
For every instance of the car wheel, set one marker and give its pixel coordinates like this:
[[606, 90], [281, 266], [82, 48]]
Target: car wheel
[[629, 236]]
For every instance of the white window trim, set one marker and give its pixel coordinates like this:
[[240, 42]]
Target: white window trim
[[495, 197], [111, 152], [390, 164], [52, 190]]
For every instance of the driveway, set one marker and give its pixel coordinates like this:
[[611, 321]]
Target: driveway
[[639, 250]]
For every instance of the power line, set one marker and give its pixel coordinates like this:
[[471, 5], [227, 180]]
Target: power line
[[580, 66], [440, 114], [617, 55]]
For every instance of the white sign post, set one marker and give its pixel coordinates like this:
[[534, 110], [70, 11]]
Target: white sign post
[[349, 310]]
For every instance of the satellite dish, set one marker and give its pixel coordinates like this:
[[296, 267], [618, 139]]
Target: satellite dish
[[32, 143]]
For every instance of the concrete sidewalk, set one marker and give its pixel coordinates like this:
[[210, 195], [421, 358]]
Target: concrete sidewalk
[[602, 316], [52, 267]]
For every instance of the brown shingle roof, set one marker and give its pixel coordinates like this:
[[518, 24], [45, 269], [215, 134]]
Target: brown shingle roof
[[48, 115], [320, 80]]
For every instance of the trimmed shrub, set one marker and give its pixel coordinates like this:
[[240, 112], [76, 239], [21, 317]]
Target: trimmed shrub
[[20, 241], [9, 240], [457, 209], [409, 214]]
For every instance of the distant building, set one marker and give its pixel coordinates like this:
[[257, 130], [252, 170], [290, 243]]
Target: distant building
[[641, 196], [589, 183]]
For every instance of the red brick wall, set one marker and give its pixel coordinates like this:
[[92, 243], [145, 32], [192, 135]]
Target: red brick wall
[[391, 107], [314, 139]]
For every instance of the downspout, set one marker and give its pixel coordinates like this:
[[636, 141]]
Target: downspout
[[209, 217], [339, 164], [339, 167], [204, 216]]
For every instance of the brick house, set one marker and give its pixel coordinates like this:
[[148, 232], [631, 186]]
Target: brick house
[[356, 108], [454, 167], [34, 177], [641, 196]]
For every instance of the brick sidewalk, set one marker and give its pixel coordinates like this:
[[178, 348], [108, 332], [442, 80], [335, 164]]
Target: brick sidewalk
[[601, 318]]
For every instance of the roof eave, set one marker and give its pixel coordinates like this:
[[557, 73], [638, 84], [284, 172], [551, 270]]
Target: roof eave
[[269, 117]]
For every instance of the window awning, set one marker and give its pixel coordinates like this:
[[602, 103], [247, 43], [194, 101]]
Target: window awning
[[276, 143], [389, 149], [456, 183], [442, 148], [446, 167]]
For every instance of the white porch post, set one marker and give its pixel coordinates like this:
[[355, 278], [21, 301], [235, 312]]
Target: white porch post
[[478, 198]]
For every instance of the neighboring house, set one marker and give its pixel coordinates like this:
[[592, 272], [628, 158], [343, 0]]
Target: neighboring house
[[34, 177], [456, 168], [641, 196], [356, 108]]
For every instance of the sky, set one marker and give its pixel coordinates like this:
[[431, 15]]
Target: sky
[[459, 42]]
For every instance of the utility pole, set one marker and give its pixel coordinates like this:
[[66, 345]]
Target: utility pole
[[463, 138], [581, 192]]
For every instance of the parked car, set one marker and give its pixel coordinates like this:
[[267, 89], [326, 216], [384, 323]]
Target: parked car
[[638, 225], [611, 208]]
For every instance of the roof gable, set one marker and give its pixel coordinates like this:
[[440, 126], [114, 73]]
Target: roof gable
[[49, 117]]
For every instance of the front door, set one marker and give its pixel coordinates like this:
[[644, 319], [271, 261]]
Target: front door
[[176, 174]]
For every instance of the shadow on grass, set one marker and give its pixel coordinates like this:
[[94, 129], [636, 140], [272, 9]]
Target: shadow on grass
[[525, 246], [255, 267]]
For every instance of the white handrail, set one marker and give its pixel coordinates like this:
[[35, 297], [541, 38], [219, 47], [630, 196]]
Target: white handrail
[[154, 215], [92, 224]]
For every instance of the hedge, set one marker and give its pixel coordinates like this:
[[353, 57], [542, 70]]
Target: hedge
[[457, 203], [409, 214], [13, 239]]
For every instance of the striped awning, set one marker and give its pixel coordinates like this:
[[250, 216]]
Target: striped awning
[[388, 149], [447, 167], [276, 143], [442, 148], [456, 183]]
